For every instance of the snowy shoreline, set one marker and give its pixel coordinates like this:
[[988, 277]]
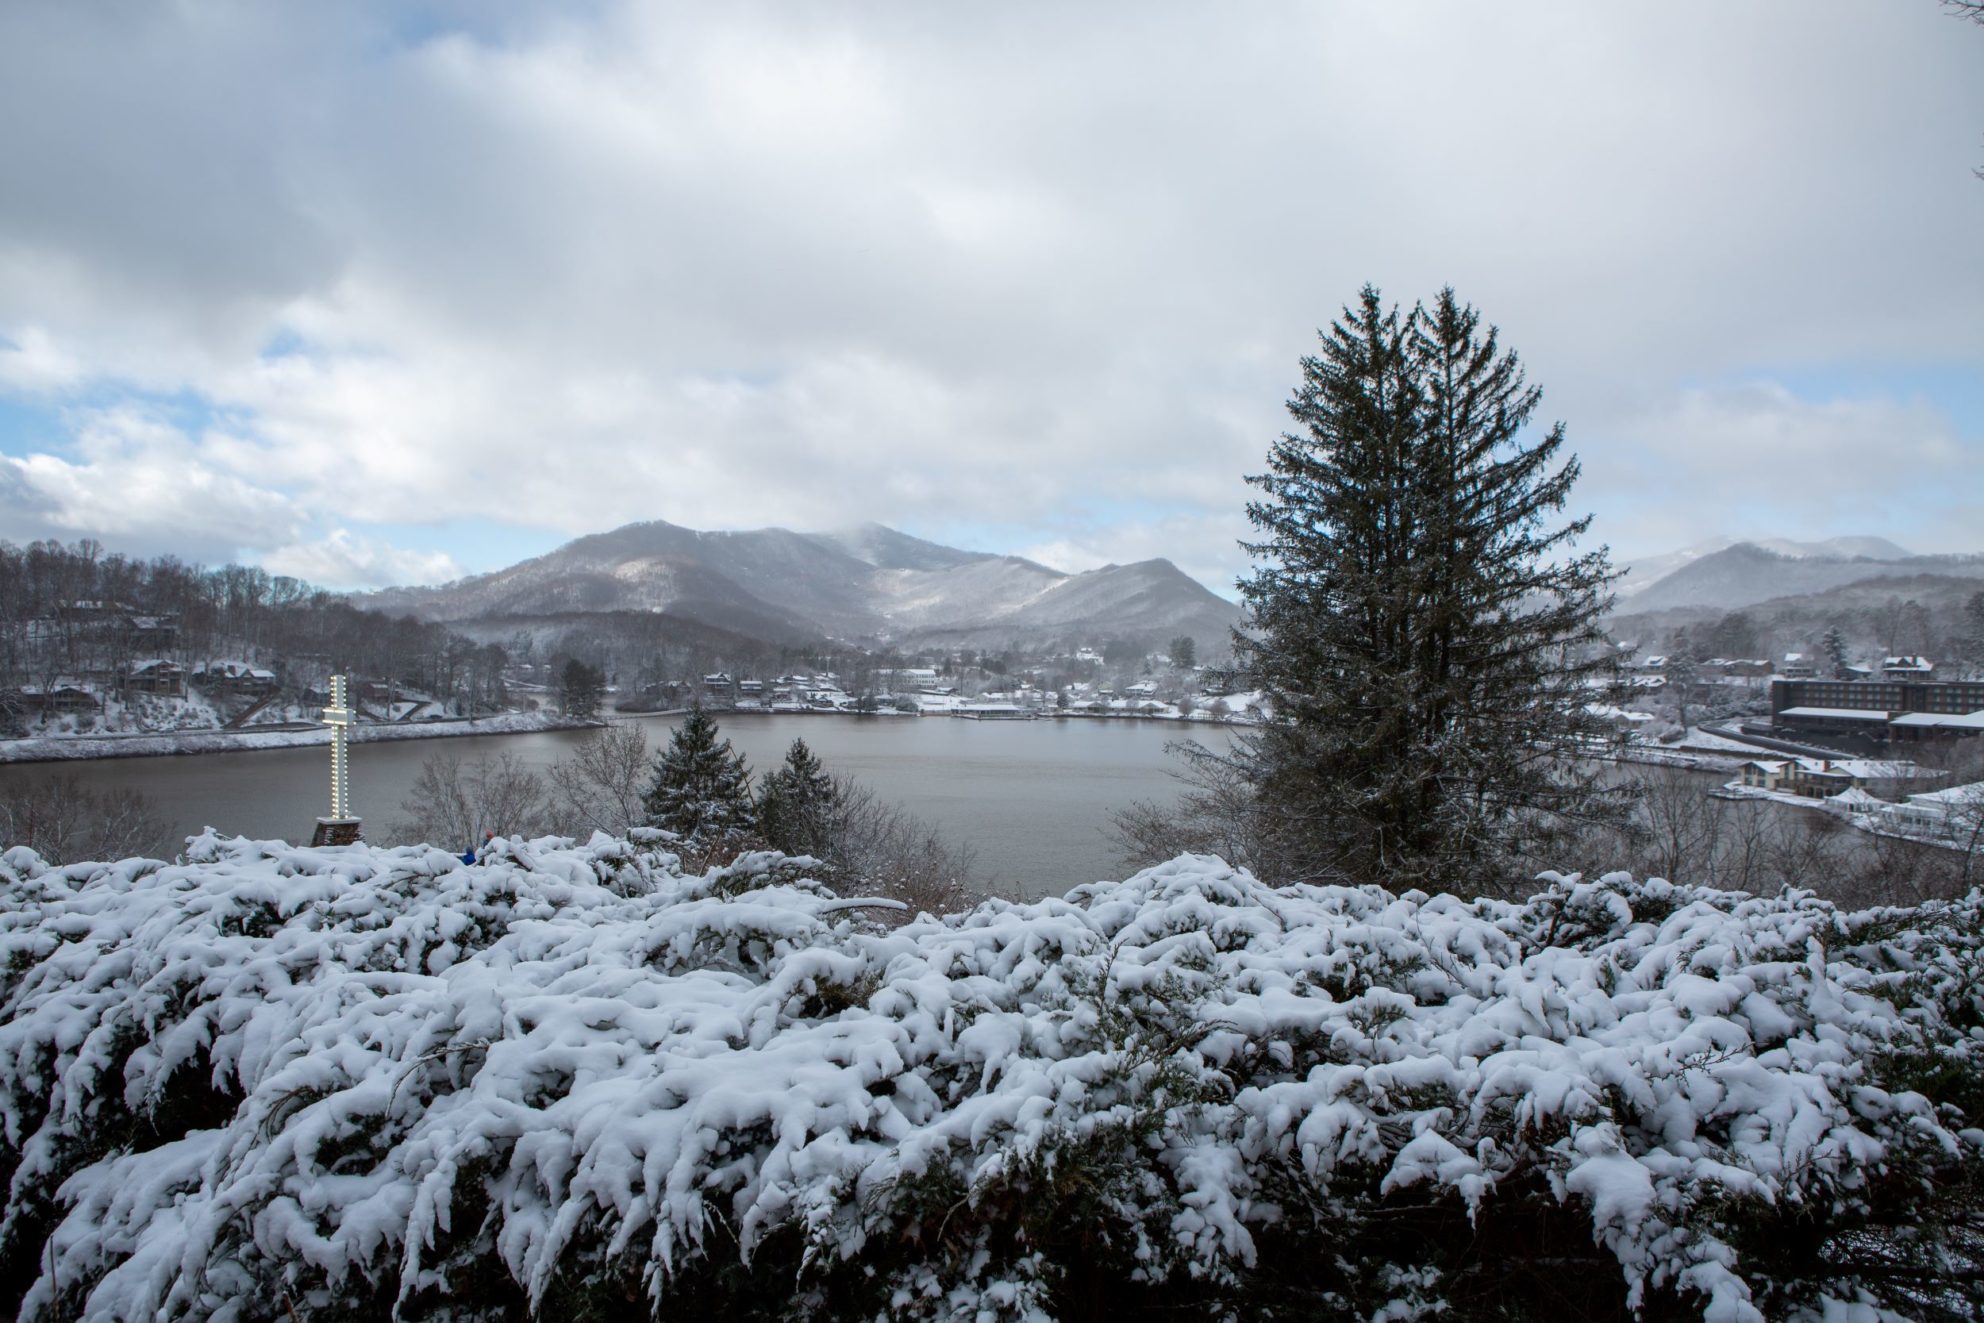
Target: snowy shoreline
[[74, 748]]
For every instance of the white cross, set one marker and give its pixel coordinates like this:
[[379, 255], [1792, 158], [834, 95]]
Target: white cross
[[338, 717]]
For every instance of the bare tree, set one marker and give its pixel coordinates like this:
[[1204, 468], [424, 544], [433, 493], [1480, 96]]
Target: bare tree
[[454, 804], [876, 847], [65, 822], [1216, 814], [599, 787]]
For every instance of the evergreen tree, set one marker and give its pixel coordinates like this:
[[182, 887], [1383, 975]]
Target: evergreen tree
[[1971, 640], [1419, 623], [1834, 647], [580, 689], [701, 790], [796, 805]]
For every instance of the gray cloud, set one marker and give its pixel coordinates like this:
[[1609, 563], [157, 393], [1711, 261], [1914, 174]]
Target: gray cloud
[[761, 265]]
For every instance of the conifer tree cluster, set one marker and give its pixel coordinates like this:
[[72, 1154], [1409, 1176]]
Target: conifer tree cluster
[[1420, 622]]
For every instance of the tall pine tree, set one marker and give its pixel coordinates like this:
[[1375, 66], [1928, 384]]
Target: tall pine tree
[[1419, 621], [701, 790], [796, 805]]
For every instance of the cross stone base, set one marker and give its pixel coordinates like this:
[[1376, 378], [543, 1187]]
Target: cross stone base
[[336, 831]]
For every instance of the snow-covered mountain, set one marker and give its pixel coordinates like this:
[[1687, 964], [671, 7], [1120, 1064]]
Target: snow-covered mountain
[[865, 583], [1746, 573], [1639, 575]]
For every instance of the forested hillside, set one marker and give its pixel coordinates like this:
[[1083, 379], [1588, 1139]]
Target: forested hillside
[[79, 624]]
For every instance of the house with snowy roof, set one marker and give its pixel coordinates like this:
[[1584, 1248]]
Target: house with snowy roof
[[239, 679], [1907, 668], [61, 695], [155, 675], [1955, 811], [1827, 778]]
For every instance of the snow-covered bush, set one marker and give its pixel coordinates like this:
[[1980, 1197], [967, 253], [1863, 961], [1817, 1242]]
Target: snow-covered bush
[[571, 1082]]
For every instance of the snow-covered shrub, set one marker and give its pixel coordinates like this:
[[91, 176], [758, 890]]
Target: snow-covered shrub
[[572, 1082]]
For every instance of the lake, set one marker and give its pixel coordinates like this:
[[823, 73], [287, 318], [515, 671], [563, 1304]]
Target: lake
[[1032, 798]]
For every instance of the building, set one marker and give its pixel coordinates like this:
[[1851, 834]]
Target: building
[[1907, 668], [1798, 666], [1954, 812], [155, 675], [237, 679], [1823, 778], [992, 712], [59, 696], [1878, 709]]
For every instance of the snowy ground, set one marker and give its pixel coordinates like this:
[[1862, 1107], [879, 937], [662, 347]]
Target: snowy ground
[[64, 747], [1699, 750], [358, 1081]]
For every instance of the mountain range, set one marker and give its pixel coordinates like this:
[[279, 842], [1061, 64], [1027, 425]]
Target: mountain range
[[867, 584], [876, 585], [1728, 576], [1638, 575]]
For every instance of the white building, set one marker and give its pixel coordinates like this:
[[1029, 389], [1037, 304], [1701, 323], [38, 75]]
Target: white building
[[1955, 812]]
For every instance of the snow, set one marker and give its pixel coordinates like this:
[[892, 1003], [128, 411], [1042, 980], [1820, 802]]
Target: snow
[[1836, 713], [353, 1075], [206, 740]]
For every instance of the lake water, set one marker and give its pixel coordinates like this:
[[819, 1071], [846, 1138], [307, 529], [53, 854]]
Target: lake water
[[1032, 798]]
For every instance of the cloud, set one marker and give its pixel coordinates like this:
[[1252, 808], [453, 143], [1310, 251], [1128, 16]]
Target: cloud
[[143, 484], [1755, 457], [344, 561], [746, 265], [34, 363]]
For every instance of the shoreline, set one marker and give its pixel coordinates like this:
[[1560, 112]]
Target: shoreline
[[183, 743], [167, 744]]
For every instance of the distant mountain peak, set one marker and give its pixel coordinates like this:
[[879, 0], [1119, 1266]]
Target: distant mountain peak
[[1744, 574], [865, 582], [1644, 572], [1835, 548]]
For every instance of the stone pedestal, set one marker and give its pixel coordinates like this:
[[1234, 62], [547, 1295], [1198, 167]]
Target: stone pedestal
[[336, 831]]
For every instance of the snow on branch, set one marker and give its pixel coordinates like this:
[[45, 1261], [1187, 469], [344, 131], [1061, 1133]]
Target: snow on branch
[[273, 1080]]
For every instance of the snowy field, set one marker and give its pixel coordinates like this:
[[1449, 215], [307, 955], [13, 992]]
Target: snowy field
[[570, 1081]]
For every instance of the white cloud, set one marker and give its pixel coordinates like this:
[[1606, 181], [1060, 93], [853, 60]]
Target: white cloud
[[1702, 458], [343, 560], [34, 363], [144, 485], [739, 265]]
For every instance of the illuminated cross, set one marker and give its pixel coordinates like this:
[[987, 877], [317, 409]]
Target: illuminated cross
[[341, 828]]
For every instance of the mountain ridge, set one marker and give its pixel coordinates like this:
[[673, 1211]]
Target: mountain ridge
[[867, 584], [1747, 573], [1644, 572]]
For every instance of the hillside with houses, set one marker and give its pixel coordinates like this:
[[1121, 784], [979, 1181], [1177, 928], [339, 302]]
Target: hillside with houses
[[93, 643]]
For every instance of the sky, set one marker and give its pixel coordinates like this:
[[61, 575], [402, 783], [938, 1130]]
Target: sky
[[390, 293]]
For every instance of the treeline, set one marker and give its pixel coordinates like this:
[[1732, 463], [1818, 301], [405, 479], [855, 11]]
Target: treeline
[[1946, 626], [80, 612]]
